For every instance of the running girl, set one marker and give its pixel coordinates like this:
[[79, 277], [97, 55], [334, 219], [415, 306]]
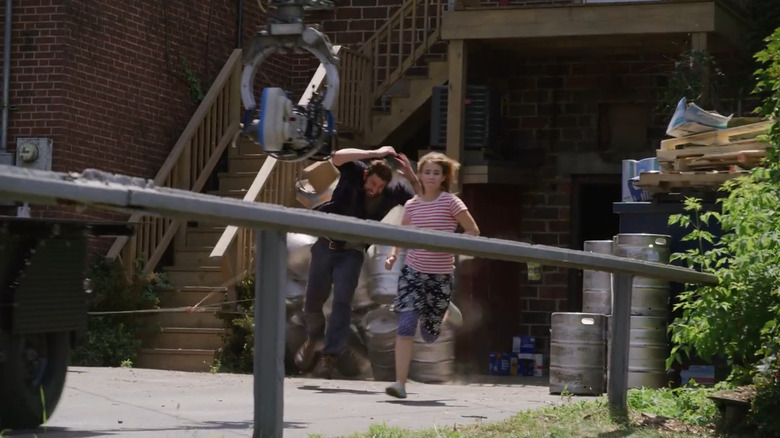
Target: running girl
[[425, 284]]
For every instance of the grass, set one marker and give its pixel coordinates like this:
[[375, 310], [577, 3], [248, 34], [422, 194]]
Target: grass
[[685, 412]]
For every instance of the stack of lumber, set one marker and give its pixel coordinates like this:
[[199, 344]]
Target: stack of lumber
[[708, 159]]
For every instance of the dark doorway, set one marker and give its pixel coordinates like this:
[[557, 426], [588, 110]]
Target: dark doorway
[[592, 218]]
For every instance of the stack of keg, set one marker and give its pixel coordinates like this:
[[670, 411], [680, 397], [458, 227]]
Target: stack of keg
[[648, 341], [578, 349]]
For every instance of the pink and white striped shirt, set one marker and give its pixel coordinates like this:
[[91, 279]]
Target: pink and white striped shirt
[[438, 214]]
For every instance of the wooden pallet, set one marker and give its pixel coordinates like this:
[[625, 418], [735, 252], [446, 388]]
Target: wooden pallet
[[669, 182], [719, 137], [744, 159], [670, 159]]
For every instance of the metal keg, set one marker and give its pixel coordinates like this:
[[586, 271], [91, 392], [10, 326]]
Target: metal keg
[[577, 353], [299, 255], [295, 291], [434, 362], [383, 284], [647, 352], [597, 285], [649, 296], [381, 326]]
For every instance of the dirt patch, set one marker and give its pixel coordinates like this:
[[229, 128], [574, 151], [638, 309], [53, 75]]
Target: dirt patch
[[671, 425]]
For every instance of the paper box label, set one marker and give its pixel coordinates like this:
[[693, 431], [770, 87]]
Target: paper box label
[[523, 344]]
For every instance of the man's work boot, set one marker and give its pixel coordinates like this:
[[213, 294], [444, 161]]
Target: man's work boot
[[304, 357], [326, 367]]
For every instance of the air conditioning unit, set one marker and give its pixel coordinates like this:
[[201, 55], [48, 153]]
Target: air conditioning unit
[[483, 107]]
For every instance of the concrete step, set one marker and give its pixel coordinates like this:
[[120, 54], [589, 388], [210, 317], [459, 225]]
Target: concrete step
[[194, 257], [175, 359], [236, 180], [203, 236], [245, 163], [181, 276], [186, 338], [191, 295]]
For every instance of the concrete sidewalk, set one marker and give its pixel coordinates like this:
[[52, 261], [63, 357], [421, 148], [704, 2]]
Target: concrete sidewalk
[[115, 402]]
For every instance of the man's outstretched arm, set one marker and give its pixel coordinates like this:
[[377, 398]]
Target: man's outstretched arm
[[347, 155]]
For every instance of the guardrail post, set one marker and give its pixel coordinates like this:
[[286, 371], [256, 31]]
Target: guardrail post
[[271, 260], [618, 357]]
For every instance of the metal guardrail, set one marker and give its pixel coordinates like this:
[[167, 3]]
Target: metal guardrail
[[113, 192]]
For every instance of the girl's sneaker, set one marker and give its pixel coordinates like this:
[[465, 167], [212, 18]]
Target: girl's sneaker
[[397, 390]]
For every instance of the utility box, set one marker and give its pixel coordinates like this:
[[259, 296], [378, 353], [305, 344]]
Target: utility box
[[34, 153]]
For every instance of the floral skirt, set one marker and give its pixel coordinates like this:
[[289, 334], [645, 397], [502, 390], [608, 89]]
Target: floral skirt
[[427, 294]]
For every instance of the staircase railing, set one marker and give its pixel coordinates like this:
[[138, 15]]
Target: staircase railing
[[235, 247], [401, 42], [352, 105], [191, 162]]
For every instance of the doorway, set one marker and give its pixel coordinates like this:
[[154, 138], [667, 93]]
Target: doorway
[[592, 218]]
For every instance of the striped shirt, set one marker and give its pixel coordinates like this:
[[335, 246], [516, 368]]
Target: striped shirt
[[438, 214]]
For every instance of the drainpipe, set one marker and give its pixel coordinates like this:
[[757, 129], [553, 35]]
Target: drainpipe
[[239, 24], [6, 76]]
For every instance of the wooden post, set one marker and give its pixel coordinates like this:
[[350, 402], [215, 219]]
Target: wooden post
[[269, 334], [699, 43], [618, 355], [456, 101]]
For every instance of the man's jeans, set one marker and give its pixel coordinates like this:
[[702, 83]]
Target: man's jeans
[[342, 270]]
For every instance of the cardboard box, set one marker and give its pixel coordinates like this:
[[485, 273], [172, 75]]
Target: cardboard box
[[501, 364], [701, 374], [321, 175], [689, 119], [306, 196], [533, 364], [523, 344]]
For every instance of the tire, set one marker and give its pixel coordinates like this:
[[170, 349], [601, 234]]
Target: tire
[[33, 375]]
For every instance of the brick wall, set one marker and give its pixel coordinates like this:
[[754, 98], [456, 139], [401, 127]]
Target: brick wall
[[105, 80], [551, 107]]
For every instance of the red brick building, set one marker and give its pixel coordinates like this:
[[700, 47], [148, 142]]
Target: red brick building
[[577, 87]]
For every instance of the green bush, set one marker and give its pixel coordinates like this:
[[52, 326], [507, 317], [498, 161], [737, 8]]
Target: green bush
[[766, 405], [689, 405], [237, 354], [113, 339], [739, 317]]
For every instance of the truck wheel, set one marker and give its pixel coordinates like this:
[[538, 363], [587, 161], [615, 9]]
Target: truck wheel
[[32, 378]]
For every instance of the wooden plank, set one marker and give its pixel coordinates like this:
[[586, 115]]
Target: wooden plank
[[456, 98], [580, 20], [666, 182], [673, 154], [719, 137], [751, 158]]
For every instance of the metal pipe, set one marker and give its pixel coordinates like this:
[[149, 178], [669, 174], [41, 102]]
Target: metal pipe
[[6, 75], [137, 195]]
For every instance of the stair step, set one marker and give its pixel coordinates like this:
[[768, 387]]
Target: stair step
[[186, 319], [236, 181], [175, 359], [438, 68], [246, 163], [187, 338], [246, 146], [203, 237], [194, 257], [192, 295], [181, 276]]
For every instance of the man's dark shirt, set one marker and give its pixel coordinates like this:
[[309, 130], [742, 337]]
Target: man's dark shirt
[[349, 196]]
